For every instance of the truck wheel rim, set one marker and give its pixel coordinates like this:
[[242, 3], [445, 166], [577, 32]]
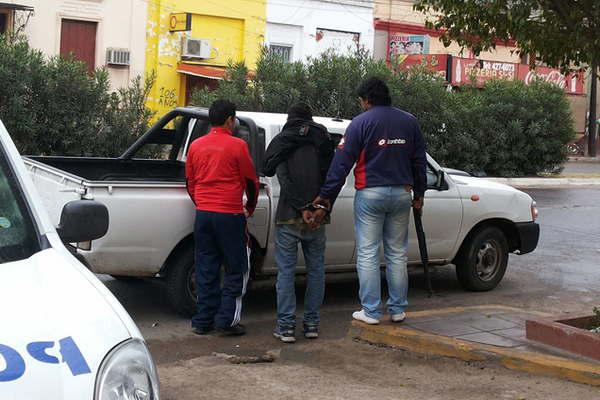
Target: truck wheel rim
[[487, 260]]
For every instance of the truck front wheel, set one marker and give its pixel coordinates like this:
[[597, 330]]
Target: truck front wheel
[[482, 259]]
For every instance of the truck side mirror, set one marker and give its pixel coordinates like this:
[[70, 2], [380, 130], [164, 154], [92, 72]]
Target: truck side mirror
[[82, 221], [441, 179]]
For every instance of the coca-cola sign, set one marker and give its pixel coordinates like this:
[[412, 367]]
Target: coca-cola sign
[[554, 77], [572, 83]]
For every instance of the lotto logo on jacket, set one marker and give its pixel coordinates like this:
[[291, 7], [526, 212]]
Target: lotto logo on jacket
[[391, 142], [388, 149]]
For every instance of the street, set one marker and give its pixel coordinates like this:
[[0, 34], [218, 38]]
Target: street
[[131, 130], [561, 276]]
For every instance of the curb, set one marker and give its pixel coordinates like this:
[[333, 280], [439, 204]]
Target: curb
[[436, 345], [582, 159], [546, 182]]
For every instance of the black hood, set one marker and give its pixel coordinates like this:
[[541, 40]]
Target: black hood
[[292, 126]]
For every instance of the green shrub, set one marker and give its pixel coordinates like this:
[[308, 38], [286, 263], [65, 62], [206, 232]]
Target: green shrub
[[125, 119], [505, 129], [235, 85], [52, 106], [322, 82]]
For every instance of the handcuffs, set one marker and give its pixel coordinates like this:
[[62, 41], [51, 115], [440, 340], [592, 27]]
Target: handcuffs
[[314, 207]]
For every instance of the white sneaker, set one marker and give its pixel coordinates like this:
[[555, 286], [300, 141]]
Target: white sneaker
[[361, 316], [399, 317]]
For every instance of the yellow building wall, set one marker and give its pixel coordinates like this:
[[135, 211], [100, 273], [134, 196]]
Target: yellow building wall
[[236, 29]]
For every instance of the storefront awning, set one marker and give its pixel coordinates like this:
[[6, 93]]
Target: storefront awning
[[17, 7], [202, 71]]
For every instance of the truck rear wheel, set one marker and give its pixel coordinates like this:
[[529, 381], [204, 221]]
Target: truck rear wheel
[[181, 286], [482, 259], [181, 282]]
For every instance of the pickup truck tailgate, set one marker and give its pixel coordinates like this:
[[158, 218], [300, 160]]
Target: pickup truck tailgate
[[55, 187]]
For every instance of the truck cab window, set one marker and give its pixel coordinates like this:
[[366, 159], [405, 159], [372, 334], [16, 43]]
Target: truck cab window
[[243, 132], [165, 143], [18, 237], [202, 127]]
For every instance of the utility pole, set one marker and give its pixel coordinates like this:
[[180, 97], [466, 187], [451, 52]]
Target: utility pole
[[592, 113]]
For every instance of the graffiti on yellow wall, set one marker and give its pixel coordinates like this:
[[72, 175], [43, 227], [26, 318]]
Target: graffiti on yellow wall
[[234, 30]]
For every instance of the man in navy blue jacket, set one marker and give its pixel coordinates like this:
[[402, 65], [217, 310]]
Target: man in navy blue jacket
[[388, 149]]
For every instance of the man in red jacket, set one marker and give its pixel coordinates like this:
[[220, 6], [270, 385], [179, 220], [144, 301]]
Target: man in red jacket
[[218, 171]]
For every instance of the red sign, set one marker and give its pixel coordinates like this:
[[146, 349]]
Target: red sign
[[465, 71], [572, 83], [469, 70], [433, 62]]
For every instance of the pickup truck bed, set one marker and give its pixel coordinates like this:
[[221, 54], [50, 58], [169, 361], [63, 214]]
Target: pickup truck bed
[[115, 169]]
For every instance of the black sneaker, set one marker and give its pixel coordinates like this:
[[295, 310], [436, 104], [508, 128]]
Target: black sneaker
[[237, 330], [286, 335], [311, 331], [205, 330]]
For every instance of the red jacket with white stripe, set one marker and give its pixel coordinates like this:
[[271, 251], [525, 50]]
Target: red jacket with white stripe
[[218, 170]]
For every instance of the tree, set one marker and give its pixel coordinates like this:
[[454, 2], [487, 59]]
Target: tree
[[560, 33]]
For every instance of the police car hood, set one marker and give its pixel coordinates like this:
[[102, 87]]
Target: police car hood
[[57, 327]]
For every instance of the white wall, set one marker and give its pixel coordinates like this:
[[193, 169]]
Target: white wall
[[295, 22], [121, 23]]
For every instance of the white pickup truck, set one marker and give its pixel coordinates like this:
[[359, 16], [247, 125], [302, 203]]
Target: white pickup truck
[[471, 222]]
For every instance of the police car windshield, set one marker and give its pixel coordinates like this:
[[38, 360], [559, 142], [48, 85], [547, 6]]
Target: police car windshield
[[18, 238]]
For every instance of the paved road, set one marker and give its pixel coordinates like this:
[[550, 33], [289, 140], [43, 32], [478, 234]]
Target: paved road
[[569, 249], [562, 276]]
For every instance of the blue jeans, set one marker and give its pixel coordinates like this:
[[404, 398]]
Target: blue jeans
[[286, 255], [382, 214]]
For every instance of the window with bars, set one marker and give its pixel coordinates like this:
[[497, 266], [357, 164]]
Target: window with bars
[[281, 50]]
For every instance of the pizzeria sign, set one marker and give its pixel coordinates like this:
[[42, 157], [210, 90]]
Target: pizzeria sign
[[469, 70]]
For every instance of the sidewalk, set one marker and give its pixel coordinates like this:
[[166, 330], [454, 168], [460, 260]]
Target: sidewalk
[[480, 333], [582, 159], [559, 181], [576, 173]]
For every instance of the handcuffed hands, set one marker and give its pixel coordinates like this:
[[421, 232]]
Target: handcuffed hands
[[310, 220], [320, 213]]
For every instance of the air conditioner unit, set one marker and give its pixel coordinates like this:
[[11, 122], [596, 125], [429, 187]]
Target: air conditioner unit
[[117, 56], [196, 48]]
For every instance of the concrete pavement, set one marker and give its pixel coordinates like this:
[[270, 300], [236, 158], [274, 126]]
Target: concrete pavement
[[561, 275], [574, 174]]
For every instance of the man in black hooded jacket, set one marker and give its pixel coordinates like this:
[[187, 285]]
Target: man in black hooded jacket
[[300, 156]]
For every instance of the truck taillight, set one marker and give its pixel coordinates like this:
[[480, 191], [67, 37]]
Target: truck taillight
[[534, 210]]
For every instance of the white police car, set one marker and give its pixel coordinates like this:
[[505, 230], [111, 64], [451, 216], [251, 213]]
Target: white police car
[[62, 333]]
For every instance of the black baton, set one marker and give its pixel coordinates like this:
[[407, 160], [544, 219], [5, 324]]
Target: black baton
[[423, 247]]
